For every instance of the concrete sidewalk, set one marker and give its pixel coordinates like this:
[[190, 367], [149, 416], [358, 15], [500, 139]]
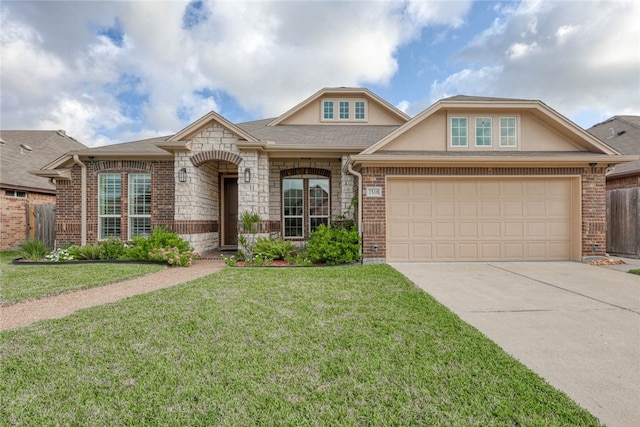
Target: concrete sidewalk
[[576, 325]]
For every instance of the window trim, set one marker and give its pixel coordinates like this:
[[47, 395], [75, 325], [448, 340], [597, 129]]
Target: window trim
[[515, 132], [490, 128], [451, 141], [326, 103], [346, 117], [364, 110], [306, 204], [101, 216], [130, 198]]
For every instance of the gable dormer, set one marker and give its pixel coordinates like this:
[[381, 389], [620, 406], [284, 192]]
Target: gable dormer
[[336, 106]]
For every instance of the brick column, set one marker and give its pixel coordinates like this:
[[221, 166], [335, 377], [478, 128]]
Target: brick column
[[594, 213]]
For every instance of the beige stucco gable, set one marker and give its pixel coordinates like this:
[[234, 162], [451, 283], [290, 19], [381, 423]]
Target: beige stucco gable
[[538, 129]]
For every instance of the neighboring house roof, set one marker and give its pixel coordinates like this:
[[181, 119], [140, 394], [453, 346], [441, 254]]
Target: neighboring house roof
[[623, 134], [23, 150]]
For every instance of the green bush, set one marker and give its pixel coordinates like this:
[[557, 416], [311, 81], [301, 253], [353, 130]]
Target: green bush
[[34, 250], [274, 249], [334, 245], [90, 251], [160, 238], [112, 249]]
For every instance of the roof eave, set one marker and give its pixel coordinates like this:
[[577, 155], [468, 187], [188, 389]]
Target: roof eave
[[52, 173], [182, 146], [519, 161]]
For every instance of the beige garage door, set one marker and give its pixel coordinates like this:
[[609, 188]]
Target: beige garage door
[[482, 219]]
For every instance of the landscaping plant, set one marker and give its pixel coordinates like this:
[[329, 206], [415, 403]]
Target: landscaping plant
[[34, 250], [275, 249], [334, 245]]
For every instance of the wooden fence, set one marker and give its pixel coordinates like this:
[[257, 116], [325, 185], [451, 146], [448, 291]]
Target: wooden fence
[[623, 222], [41, 223]]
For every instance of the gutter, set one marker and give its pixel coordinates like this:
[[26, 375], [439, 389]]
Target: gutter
[[83, 202], [359, 176]]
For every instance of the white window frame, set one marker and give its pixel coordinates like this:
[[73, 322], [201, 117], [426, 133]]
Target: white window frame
[[133, 205], [284, 210], [328, 214], [16, 194], [515, 132], [355, 110], [484, 128], [466, 128], [326, 103], [118, 207], [347, 112]]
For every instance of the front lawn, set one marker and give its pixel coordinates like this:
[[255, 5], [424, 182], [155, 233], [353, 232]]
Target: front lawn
[[635, 271], [23, 282], [357, 346]]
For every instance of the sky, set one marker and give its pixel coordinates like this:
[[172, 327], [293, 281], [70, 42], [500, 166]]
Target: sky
[[116, 71]]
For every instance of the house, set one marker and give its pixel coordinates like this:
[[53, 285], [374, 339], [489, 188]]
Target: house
[[623, 185], [20, 191], [469, 178]]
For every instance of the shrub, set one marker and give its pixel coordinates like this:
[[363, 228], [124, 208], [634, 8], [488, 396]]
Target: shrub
[[34, 250], [274, 249], [112, 249], [173, 256], [160, 238], [60, 255], [90, 251], [334, 245]]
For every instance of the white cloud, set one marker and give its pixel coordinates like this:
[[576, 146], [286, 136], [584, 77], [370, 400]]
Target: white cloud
[[572, 55]]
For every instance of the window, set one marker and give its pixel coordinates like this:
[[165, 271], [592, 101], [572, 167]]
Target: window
[[305, 205], [139, 205], [508, 132], [15, 193], [483, 131], [109, 198], [458, 131], [360, 112], [293, 206], [327, 110], [318, 203], [344, 110]]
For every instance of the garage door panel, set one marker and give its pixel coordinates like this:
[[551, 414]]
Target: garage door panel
[[448, 219]]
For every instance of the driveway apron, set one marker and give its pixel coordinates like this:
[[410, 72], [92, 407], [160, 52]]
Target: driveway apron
[[576, 325]]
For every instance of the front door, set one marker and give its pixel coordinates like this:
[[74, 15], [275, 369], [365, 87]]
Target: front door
[[230, 213]]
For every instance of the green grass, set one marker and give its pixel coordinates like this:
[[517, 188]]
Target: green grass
[[23, 282], [635, 271], [356, 346]]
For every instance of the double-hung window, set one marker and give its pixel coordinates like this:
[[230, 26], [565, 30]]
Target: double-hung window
[[508, 132], [139, 204], [459, 132], [483, 131], [359, 110], [109, 205], [344, 110], [327, 110], [305, 205]]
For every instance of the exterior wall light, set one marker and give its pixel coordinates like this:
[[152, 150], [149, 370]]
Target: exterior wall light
[[182, 175], [247, 175]]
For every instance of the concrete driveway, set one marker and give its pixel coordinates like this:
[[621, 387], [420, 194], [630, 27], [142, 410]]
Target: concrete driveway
[[576, 325]]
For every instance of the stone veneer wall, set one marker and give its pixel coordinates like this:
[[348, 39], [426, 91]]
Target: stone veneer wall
[[13, 217], [593, 202]]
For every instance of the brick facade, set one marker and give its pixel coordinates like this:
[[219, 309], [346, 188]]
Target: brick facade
[[69, 198], [593, 201], [13, 217], [623, 182]]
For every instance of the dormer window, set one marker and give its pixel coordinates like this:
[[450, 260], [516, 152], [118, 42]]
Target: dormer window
[[327, 110], [344, 110]]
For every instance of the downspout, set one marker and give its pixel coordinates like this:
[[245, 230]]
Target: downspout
[[359, 176], [83, 201]]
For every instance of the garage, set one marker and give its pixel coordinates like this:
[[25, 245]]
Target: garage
[[482, 218]]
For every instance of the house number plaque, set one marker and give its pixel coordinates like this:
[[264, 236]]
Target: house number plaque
[[374, 191]]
